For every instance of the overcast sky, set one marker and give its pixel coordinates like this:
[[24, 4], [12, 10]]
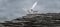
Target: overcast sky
[[14, 8]]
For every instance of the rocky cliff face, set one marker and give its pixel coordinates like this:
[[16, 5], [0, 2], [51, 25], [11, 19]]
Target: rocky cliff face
[[35, 20]]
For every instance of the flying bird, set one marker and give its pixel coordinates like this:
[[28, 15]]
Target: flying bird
[[31, 9]]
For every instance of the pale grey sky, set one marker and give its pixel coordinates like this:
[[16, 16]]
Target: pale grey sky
[[13, 8]]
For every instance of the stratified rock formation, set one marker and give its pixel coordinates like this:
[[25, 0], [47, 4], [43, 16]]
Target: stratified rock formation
[[34, 20]]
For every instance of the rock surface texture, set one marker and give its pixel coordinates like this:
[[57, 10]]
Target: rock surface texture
[[34, 20]]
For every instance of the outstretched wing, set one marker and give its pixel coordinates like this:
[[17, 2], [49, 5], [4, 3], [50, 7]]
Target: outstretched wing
[[34, 5], [26, 10]]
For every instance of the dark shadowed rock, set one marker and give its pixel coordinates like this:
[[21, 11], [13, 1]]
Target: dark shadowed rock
[[35, 20]]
